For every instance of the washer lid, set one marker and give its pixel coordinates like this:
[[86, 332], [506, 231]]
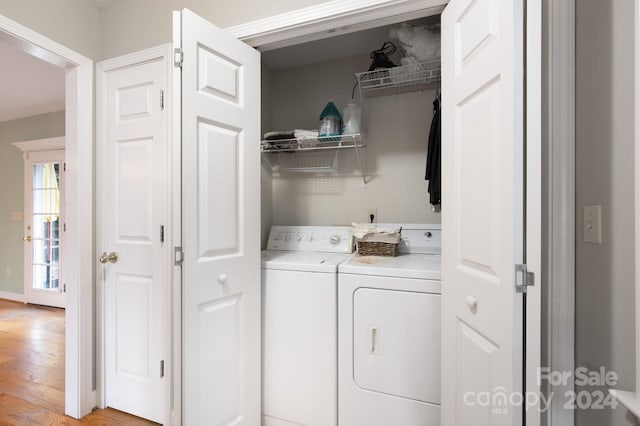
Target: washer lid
[[419, 266], [301, 261]]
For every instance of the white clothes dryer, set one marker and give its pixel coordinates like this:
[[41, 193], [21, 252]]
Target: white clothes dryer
[[389, 334], [299, 324]]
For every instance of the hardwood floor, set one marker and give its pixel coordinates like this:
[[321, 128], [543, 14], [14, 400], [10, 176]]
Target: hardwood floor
[[32, 370]]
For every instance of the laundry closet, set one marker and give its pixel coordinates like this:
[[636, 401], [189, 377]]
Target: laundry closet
[[329, 357], [313, 187]]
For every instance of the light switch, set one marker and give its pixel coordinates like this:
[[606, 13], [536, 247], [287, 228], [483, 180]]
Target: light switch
[[592, 224]]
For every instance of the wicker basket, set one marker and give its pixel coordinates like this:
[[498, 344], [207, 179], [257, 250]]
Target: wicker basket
[[375, 248]]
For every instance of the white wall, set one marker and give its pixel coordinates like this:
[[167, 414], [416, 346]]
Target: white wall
[[395, 154], [72, 23], [121, 23], [604, 175], [12, 190]]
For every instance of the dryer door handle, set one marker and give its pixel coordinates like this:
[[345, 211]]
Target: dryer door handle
[[375, 337]]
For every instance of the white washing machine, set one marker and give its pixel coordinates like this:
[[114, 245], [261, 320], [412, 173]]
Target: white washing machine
[[389, 334], [299, 324]]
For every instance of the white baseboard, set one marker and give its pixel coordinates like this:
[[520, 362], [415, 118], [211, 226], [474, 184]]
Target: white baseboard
[[16, 297]]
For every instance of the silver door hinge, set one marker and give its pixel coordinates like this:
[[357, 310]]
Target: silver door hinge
[[64, 288], [161, 368], [524, 278], [178, 57], [64, 167], [161, 100], [178, 256]]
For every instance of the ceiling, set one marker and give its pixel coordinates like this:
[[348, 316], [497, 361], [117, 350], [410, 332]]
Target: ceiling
[[29, 86]]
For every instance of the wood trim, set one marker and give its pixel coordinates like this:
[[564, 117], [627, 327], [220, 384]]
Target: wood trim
[[38, 45], [637, 189], [15, 297], [80, 190], [49, 144], [175, 199], [534, 207], [79, 142], [560, 232], [631, 400], [329, 19]]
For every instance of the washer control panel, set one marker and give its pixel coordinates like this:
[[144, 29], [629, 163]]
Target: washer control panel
[[329, 239]]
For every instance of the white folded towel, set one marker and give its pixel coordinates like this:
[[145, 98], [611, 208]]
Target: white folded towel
[[305, 134], [371, 232]]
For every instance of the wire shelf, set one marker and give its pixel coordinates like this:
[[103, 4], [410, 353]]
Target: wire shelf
[[406, 78], [314, 155], [312, 144]]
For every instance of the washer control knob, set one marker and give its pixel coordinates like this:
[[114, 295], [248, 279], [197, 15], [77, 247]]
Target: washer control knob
[[299, 238], [310, 238], [288, 238], [335, 239]]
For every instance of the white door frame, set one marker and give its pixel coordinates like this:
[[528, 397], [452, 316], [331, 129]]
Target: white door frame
[[160, 53], [79, 389], [559, 219], [631, 399], [552, 204]]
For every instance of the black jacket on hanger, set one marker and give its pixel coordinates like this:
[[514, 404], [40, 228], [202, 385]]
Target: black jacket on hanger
[[433, 155]]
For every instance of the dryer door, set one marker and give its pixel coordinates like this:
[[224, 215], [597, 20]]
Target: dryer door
[[397, 343]]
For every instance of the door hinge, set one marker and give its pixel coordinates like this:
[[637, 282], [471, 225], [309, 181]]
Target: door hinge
[[178, 256], [178, 57], [161, 234], [161, 100], [162, 368], [64, 167], [64, 288], [524, 278], [64, 227]]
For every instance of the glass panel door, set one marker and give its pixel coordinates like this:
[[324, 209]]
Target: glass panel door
[[46, 226]]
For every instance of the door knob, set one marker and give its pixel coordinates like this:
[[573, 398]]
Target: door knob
[[111, 257], [472, 303], [222, 279], [27, 238]]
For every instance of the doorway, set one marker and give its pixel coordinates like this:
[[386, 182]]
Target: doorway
[[44, 224], [78, 104], [44, 196]]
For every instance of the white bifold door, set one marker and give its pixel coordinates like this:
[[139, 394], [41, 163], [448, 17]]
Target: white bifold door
[[482, 213], [134, 256], [198, 222], [220, 225]]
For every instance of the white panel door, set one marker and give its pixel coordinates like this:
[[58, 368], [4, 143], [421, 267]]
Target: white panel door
[[482, 214], [221, 226], [136, 259]]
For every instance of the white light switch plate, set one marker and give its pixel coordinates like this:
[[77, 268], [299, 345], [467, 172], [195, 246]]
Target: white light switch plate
[[592, 224]]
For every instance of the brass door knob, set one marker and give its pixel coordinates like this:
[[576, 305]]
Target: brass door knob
[[111, 257], [27, 238]]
